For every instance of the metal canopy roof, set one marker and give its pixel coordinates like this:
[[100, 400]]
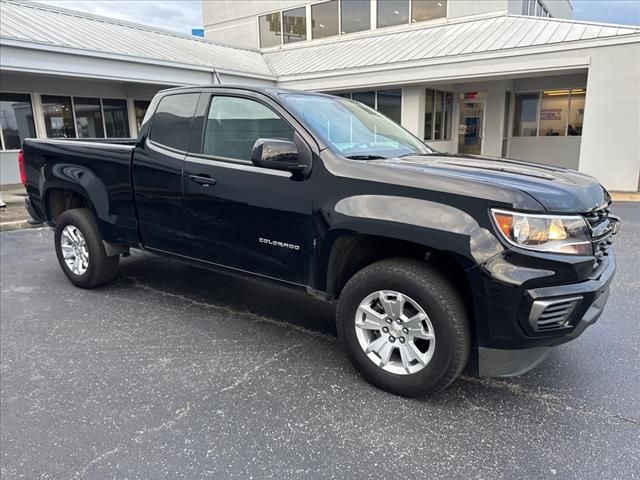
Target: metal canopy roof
[[44, 26], [34, 25], [469, 37]]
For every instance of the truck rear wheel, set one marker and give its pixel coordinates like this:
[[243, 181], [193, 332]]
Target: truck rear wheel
[[404, 327], [80, 250]]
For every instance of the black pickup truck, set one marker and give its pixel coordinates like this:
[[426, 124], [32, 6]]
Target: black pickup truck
[[431, 258]]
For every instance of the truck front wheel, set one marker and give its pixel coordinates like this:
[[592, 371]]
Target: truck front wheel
[[404, 327], [80, 250]]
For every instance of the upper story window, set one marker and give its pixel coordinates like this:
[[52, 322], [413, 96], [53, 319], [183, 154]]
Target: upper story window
[[294, 25], [234, 124], [550, 113], [535, 8], [422, 10], [270, 30], [16, 120], [171, 124], [337, 17], [355, 15], [398, 12], [324, 19], [393, 12]]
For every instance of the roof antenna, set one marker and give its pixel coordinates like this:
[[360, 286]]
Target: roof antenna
[[216, 76]]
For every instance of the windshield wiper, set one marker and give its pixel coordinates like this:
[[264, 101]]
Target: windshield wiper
[[366, 157]]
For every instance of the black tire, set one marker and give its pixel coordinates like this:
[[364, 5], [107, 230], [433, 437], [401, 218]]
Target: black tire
[[439, 299], [101, 269]]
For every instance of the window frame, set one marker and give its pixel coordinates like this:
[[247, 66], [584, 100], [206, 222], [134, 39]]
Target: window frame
[[306, 26], [339, 10], [33, 115]]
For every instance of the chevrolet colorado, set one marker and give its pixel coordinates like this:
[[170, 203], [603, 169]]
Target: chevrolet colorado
[[431, 258]]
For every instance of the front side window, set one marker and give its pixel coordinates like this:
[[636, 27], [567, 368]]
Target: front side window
[[16, 120], [355, 15], [270, 30], [354, 130], [427, 10], [324, 19], [58, 117], [171, 122], [116, 118], [294, 24], [88, 117], [234, 124], [393, 12]]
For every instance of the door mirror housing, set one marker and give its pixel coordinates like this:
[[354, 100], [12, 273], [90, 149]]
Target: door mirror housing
[[277, 154]]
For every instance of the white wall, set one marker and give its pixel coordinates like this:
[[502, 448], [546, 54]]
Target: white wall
[[611, 130], [9, 171], [556, 151]]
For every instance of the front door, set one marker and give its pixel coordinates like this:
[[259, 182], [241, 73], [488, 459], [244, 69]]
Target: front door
[[471, 130], [239, 215]]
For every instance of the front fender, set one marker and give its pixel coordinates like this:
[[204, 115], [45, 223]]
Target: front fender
[[434, 225]]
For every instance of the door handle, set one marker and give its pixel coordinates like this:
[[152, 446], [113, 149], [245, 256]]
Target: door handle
[[204, 180]]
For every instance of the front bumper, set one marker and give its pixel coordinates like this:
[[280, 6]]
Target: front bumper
[[545, 316]]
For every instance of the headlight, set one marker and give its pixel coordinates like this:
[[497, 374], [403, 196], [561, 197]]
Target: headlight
[[545, 233]]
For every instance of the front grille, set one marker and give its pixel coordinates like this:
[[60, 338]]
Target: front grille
[[603, 227], [549, 315]]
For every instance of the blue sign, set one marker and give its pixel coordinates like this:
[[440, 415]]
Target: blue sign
[[197, 32]]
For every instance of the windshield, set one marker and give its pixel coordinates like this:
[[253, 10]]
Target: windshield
[[354, 130]]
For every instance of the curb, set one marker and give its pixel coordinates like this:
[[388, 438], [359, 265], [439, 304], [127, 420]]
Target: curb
[[625, 196], [17, 225]]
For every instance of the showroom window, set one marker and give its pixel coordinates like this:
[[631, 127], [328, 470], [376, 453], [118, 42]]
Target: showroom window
[[549, 113], [89, 123], [16, 120], [116, 118], [324, 19], [387, 102], [437, 115], [294, 25], [141, 107], [58, 116], [355, 15]]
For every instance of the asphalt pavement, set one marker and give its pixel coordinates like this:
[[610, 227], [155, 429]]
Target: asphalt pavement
[[176, 372]]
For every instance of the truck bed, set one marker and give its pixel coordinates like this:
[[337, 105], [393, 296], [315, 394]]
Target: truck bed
[[101, 166]]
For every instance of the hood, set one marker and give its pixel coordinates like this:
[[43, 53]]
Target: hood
[[556, 189]]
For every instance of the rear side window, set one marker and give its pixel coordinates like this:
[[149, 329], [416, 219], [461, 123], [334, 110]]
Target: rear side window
[[171, 124], [234, 124]]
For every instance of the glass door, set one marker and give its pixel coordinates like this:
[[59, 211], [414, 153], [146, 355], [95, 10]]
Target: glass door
[[471, 127]]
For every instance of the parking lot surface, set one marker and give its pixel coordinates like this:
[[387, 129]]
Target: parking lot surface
[[176, 372]]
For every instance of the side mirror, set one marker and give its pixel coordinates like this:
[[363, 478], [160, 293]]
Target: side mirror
[[277, 155]]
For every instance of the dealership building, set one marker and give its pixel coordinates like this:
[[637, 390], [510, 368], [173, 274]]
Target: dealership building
[[505, 78]]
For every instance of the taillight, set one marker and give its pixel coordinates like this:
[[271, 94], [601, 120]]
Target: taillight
[[23, 174]]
